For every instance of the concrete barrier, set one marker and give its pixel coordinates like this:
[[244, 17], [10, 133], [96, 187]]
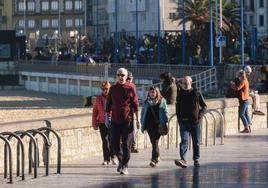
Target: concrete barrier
[[80, 140]]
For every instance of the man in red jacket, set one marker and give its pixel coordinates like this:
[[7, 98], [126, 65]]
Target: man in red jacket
[[122, 101]]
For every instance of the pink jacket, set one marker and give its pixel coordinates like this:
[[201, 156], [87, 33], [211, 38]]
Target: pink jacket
[[98, 115]]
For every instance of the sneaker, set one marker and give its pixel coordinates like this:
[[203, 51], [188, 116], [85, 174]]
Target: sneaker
[[246, 130], [196, 163], [124, 171], [258, 112], [152, 163], [105, 163], [134, 150], [119, 167], [180, 162], [114, 161]]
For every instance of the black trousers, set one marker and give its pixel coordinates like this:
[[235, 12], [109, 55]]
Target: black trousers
[[105, 133], [154, 138], [122, 142]]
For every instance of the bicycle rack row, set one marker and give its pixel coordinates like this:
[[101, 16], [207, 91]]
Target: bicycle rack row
[[206, 121], [33, 147]]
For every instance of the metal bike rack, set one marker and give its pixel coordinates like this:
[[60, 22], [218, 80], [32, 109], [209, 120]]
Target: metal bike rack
[[201, 128], [214, 126], [10, 158], [32, 140], [47, 146], [19, 146], [19, 135], [59, 146]]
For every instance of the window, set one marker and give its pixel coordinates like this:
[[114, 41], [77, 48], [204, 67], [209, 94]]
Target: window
[[45, 5], [78, 22], [173, 15], [251, 20], [31, 6], [68, 5], [54, 23], [143, 17], [78, 5], [68, 22], [251, 5], [54, 5], [31, 23], [261, 3], [261, 20], [45, 23], [21, 6], [21, 23]]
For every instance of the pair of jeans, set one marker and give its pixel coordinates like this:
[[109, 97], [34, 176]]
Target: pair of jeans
[[187, 129], [122, 142], [243, 113], [105, 133], [154, 138]]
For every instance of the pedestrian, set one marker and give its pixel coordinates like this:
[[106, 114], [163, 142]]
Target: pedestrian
[[253, 94], [134, 148], [154, 114], [98, 122], [243, 89], [122, 98], [168, 87], [190, 108]]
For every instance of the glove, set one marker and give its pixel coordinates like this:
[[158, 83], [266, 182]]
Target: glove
[[108, 121]]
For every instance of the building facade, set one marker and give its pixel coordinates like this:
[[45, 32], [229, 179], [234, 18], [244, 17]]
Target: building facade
[[124, 11], [97, 19], [256, 14], [6, 15], [49, 19]]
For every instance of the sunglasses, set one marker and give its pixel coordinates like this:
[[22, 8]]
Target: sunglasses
[[120, 75], [104, 89]]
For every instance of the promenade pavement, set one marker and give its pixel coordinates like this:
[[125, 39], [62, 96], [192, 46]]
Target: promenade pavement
[[241, 162]]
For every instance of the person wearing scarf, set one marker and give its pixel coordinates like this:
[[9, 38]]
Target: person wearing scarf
[[150, 122]]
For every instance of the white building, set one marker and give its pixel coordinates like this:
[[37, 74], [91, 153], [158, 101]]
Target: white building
[[147, 16], [256, 14]]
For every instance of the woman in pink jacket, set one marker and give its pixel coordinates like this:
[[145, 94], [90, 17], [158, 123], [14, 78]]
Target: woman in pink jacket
[[98, 122]]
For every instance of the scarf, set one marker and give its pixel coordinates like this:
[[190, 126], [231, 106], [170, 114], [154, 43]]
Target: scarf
[[151, 101]]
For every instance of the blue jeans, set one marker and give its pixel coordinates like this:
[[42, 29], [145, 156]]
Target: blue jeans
[[185, 130], [243, 113]]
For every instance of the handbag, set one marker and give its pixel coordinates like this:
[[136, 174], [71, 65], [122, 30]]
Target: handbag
[[162, 129]]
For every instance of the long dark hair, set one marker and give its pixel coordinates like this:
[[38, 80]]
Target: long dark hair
[[158, 94]]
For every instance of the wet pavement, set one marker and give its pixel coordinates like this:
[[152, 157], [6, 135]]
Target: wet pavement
[[241, 162]]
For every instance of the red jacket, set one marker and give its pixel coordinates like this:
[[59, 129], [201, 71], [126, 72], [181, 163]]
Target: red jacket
[[122, 101], [99, 111]]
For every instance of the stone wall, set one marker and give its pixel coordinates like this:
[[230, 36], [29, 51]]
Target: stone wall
[[79, 140]]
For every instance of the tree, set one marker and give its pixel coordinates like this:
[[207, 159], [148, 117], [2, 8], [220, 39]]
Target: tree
[[197, 14]]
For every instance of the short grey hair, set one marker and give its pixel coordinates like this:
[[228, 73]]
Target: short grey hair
[[122, 71]]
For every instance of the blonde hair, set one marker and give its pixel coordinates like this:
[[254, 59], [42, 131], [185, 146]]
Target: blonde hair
[[243, 75], [105, 84]]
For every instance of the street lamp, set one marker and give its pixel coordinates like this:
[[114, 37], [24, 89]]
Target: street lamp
[[211, 34], [137, 34], [242, 30], [183, 34], [116, 34], [158, 34]]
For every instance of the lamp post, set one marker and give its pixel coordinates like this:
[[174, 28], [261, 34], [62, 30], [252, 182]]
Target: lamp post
[[158, 34], [97, 27], [211, 34], [242, 30], [137, 34], [116, 34], [183, 34]]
